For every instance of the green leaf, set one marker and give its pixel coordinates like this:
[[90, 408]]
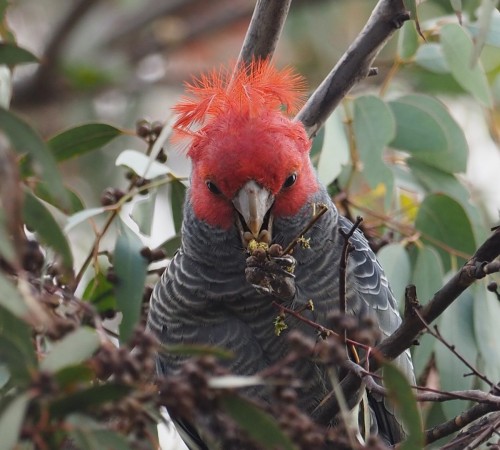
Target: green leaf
[[11, 299], [430, 56], [25, 140], [5, 87], [172, 245], [402, 397], [11, 55], [335, 149], [486, 12], [88, 398], [11, 420], [196, 350], [82, 139], [443, 222], [407, 41], [437, 181], [425, 129], [130, 268], [39, 218], [493, 27], [82, 216], [16, 346], [72, 376], [141, 164], [259, 425], [143, 212], [457, 48], [72, 349], [87, 433], [455, 325], [396, 263], [374, 128], [428, 273], [75, 202], [487, 330], [177, 196], [100, 292]]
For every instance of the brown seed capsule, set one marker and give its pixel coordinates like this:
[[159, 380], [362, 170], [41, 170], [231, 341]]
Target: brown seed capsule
[[275, 250], [143, 128]]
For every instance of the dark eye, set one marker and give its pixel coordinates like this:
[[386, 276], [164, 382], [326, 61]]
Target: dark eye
[[290, 181], [212, 188]]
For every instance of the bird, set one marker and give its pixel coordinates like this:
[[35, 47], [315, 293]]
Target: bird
[[252, 183]]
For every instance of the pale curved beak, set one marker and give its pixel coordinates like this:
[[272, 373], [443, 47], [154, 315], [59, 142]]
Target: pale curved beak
[[253, 202]]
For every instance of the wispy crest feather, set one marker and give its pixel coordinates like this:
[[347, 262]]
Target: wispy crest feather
[[249, 90]]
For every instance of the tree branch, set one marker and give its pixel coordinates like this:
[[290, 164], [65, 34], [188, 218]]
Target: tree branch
[[412, 326], [264, 30], [355, 64]]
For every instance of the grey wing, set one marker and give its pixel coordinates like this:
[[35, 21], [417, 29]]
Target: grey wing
[[369, 290]]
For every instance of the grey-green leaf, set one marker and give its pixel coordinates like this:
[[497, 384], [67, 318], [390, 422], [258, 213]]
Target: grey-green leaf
[[444, 224], [82, 139], [12, 55], [130, 268], [457, 48], [456, 327], [11, 420], [39, 218], [396, 263], [72, 349], [374, 128], [402, 397], [426, 130], [259, 425], [25, 140]]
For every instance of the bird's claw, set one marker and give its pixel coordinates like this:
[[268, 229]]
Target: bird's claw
[[271, 272]]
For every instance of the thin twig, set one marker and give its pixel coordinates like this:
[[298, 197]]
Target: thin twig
[[412, 326], [315, 218], [435, 333]]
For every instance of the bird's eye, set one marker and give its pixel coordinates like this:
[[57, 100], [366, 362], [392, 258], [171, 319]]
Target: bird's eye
[[212, 187], [290, 181]]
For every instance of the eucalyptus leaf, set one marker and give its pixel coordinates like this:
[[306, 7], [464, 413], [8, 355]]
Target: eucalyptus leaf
[[430, 56], [82, 139], [72, 349], [259, 425], [82, 216], [444, 224], [401, 395], [396, 263], [487, 330], [425, 129], [130, 268], [374, 129], [335, 149], [458, 48], [141, 164], [407, 41], [456, 326], [11, 420], [25, 140], [428, 273], [100, 292], [12, 55], [177, 196], [39, 218]]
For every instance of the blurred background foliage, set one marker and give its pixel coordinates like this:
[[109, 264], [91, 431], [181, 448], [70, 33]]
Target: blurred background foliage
[[86, 89]]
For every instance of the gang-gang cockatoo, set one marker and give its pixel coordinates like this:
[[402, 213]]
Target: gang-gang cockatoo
[[252, 181]]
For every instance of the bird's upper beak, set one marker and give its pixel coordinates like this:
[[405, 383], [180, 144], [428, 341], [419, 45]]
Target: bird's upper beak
[[253, 204]]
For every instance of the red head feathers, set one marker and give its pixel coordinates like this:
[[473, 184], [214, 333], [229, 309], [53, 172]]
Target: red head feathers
[[239, 133]]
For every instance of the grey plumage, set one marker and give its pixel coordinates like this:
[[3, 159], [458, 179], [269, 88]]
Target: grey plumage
[[203, 297]]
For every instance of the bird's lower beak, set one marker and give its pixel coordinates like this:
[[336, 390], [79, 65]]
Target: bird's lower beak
[[253, 204]]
